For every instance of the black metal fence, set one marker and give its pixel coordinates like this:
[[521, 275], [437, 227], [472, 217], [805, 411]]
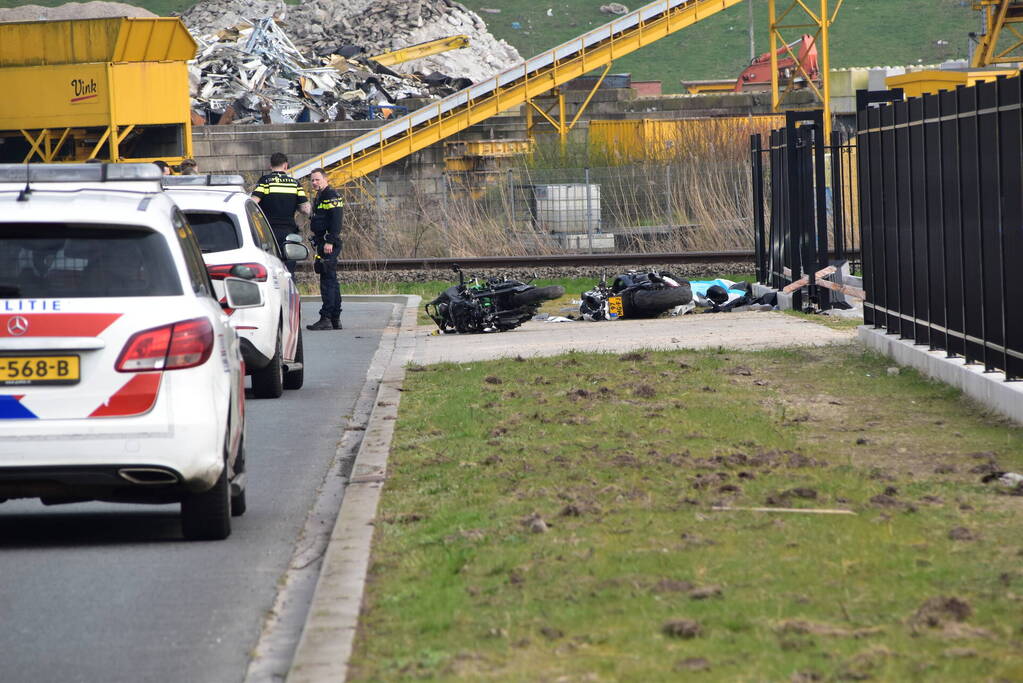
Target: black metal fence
[[941, 209], [804, 205]]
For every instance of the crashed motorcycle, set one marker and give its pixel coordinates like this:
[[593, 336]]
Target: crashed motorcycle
[[635, 294], [490, 305]]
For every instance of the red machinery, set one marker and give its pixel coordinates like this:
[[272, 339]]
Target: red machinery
[[757, 75]]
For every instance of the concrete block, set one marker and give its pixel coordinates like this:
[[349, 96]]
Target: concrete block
[[581, 242], [230, 148], [989, 389], [217, 164]]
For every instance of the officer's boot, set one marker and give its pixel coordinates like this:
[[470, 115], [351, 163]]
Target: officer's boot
[[336, 323], [322, 324]]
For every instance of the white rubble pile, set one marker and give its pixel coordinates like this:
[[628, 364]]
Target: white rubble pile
[[72, 10], [322, 27]]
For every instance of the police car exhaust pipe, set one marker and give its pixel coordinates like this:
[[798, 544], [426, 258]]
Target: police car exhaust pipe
[[147, 476]]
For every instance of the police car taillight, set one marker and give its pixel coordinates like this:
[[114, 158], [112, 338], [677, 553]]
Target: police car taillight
[[183, 344], [248, 271]]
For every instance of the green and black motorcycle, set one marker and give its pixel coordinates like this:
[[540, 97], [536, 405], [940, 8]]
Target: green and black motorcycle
[[489, 305]]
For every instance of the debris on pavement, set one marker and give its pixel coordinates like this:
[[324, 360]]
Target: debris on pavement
[[1005, 478], [1010, 482]]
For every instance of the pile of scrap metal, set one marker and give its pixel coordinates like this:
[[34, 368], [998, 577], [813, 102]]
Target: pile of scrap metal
[[253, 73], [322, 27]]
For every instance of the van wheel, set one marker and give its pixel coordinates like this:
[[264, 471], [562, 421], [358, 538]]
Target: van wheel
[[207, 516], [293, 379], [238, 504], [268, 382]]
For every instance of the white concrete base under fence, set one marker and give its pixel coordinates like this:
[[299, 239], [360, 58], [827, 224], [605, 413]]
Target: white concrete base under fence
[[988, 388]]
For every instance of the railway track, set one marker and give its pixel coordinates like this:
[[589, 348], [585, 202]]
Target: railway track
[[484, 262], [555, 260]]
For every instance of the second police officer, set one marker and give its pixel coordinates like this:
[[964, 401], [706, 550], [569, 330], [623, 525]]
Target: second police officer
[[326, 228]]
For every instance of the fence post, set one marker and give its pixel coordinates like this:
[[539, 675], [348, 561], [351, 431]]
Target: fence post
[[667, 192], [837, 200], [380, 220], [757, 168], [589, 209], [819, 294], [445, 198], [511, 199]]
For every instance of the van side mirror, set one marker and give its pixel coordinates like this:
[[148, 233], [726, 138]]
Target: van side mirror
[[293, 251], [242, 293]]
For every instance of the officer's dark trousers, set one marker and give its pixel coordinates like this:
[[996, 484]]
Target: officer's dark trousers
[[330, 288]]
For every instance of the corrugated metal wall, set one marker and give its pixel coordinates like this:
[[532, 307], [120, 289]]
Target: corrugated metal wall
[[664, 140]]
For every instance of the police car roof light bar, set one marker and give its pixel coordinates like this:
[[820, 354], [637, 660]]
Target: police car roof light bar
[[206, 180], [70, 173]]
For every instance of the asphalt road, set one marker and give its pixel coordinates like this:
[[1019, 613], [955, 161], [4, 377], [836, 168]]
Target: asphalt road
[[100, 592]]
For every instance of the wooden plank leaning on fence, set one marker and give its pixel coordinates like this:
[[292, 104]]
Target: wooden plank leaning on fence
[[819, 276]]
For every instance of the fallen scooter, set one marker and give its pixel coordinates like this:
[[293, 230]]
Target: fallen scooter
[[491, 305]]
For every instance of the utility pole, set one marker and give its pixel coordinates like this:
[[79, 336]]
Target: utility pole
[[752, 45]]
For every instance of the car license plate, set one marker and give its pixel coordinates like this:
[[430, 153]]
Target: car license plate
[[21, 370], [615, 309]]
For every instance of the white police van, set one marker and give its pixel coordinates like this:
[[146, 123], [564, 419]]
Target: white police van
[[120, 376], [236, 240]]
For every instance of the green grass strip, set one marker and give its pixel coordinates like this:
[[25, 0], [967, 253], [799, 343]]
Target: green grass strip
[[554, 519]]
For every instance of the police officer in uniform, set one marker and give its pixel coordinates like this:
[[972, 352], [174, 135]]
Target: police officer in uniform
[[326, 227], [280, 196]]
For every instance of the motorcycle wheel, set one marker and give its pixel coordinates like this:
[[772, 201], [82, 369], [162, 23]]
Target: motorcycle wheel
[[537, 295], [650, 303]]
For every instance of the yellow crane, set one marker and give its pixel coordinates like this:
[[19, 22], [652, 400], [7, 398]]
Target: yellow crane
[[420, 50], [513, 87], [1001, 41]]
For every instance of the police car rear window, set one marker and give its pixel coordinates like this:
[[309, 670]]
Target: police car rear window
[[215, 231], [74, 261]]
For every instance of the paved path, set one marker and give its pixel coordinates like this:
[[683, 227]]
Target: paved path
[[700, 331], [98, 592]]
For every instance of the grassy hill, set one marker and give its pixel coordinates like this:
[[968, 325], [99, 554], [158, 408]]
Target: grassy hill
[[867, 33]]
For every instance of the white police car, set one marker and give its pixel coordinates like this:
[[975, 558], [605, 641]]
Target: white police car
[[120, 377], [236, 240]]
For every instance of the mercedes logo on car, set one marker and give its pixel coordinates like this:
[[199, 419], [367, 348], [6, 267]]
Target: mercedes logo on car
[[17, 325]]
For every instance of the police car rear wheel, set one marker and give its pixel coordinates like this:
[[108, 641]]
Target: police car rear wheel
[[207, 516]]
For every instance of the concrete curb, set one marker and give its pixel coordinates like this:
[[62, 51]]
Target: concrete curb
[[329, 633], [988, 388]]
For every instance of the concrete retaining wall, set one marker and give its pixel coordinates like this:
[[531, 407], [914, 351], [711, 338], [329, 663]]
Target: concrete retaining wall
[[246, 149], [988, 388]]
